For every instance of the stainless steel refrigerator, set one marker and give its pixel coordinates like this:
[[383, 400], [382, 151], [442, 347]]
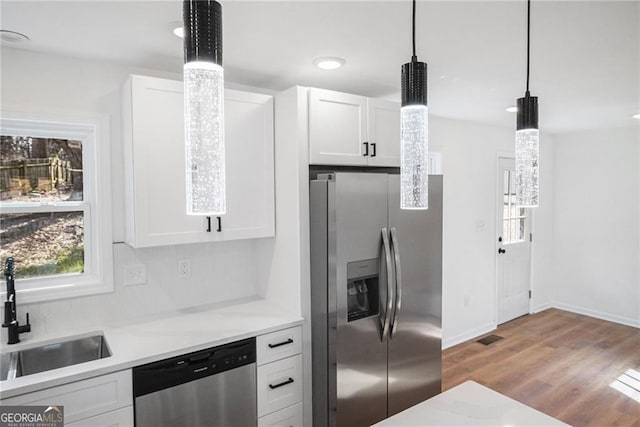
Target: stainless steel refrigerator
[[376, 298]]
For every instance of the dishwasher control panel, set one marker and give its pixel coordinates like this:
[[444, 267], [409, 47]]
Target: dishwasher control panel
[[192, 366]]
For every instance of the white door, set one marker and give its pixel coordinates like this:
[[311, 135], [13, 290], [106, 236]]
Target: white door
[[513, 248], [337, 128]]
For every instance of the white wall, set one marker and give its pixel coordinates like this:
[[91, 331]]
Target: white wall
[[39, 83], [469, 156], [596, 238], [543, 281]]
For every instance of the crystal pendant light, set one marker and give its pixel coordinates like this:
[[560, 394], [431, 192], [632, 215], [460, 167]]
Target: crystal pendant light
[[414, 155], [527, 140], [204, 108]]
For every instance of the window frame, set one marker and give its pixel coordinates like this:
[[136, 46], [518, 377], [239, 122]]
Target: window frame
[[92, 131], [509, 196]]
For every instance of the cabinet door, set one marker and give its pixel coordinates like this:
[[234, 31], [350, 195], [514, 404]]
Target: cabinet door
[[249, 166], [384, 133], [337, 128], [120, 418], [83, 399], [279, 384], [154, 165], [287, 417]]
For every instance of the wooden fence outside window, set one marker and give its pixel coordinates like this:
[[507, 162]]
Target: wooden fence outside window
[[21, 177]]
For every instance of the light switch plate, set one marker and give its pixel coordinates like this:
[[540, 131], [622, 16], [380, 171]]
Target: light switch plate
[[135, 274]]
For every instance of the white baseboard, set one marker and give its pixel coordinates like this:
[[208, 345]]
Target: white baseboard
[[541, 307], [597, 314], [474, 333]]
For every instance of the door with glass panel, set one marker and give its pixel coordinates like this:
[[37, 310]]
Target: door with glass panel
[[513, 249]]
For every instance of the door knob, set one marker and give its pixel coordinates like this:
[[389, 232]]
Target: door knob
[[501, 251]]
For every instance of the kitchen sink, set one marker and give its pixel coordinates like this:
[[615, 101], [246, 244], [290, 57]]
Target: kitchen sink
[[53, 356]]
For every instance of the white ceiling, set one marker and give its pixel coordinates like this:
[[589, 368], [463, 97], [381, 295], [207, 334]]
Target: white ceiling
[[585, 54]]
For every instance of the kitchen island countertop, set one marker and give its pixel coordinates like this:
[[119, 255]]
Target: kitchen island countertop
[[470, 404]]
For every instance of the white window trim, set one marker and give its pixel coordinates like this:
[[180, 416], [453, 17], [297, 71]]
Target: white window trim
[[93, 131]]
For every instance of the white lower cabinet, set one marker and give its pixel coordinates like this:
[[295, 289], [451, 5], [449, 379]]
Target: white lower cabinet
[[279, 384], [119, 418], [287, 417], [279, 345], [280, 377], [83, 400]]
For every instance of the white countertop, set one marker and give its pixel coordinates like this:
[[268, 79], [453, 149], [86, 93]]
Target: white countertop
[[470, 404], [157, 338]]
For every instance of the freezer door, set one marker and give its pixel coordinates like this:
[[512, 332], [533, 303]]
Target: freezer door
[[357, 298], [415, 349]]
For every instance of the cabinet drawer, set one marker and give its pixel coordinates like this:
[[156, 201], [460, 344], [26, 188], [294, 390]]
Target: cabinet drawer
[[118, 418], [287, 417], [83, 399], [278, 345], [279, 384]]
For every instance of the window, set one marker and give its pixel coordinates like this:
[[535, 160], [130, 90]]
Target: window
[[52, 221], [514, 218]]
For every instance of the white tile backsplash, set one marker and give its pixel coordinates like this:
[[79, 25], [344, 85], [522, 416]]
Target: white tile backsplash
[[220, 272]]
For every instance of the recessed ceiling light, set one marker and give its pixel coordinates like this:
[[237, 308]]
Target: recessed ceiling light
[[177, 29], [636, 116], [512, 109], [12, 36], [329, 63]]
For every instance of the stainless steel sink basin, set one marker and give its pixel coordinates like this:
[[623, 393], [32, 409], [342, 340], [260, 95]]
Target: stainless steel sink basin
[[53, 356]]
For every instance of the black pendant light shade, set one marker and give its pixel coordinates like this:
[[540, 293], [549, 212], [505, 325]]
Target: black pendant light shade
[[527, 147], [205, 176], [414, 129], [202, 31], [414, 83], [527, 115]]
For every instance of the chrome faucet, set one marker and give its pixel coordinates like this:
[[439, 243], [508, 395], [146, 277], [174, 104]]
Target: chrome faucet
[[10, 314]]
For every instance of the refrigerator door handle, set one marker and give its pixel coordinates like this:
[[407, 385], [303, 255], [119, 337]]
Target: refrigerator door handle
[[389, 302], [398, 281]]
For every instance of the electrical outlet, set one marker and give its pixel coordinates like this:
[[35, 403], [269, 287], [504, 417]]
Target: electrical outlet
[[184, 268], [135, 274]]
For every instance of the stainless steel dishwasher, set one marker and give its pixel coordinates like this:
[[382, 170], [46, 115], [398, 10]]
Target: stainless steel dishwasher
[[213, 387]]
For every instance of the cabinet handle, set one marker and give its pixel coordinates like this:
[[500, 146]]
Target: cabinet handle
[[208, 224], [289, 381], [373, 149], [366, 149], [289, 341], [219, 224]]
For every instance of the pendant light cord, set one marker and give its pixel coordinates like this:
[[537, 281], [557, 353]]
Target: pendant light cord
[[528, 40], [414, 58]]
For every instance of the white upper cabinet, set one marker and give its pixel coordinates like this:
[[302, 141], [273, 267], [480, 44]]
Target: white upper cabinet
[[353, 130], [384, 132], [248, 119], [155, 167], [337, 128]]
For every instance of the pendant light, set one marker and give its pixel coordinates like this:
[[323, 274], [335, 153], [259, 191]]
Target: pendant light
[[204, 108], [414, 155], [527, 140]]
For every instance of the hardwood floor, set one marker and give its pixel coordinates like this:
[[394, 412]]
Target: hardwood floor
[[557, 362]]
